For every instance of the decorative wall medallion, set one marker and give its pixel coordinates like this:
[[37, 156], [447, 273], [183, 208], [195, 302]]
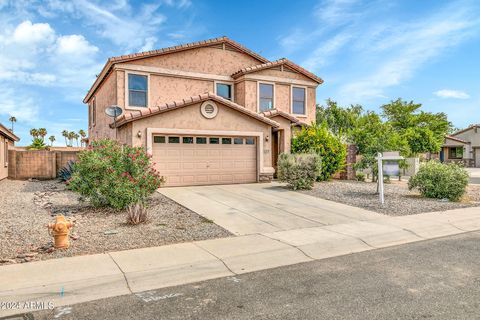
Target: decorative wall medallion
[[209, 109]]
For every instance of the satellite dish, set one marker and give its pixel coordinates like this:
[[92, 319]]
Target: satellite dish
[[113, 111]]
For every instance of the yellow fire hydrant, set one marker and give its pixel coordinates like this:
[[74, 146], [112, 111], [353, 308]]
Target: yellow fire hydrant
[[60, 231]]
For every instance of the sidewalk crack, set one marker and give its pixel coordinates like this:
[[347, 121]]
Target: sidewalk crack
[[291, 245], [123, 273], [228, 268]]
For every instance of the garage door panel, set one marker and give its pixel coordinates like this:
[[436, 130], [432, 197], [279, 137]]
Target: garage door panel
[[191, 164]]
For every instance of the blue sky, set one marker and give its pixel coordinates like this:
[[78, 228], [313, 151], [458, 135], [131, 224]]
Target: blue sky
[[368, 52]]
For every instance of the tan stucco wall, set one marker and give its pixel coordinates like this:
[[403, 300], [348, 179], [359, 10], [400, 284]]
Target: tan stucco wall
[[282, 74], [3, 169], [105, 96], [165, 89], [190, 117], [205, 60]]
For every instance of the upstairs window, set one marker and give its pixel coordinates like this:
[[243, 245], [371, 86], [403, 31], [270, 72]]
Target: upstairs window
[[265, 96], [224, 90], [137, 90], [298, 100]]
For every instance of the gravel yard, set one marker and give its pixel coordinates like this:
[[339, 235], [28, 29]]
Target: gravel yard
[[399, 200], [27, 206]]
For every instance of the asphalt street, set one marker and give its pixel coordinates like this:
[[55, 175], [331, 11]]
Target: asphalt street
[[435, 279]]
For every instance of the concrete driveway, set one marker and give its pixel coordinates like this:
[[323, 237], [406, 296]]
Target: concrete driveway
[[263, 208]]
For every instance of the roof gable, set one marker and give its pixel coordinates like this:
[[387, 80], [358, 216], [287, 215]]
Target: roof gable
[[148, 112], [475, 126], [285, 63], [215, 42]]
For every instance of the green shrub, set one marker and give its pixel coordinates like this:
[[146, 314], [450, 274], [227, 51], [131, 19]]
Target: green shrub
[[440, 181], [360, 176], [318, 139], [37, 144], [109, 174], [299, 171]]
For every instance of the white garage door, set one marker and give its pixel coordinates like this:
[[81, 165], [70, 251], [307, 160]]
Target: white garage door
[[203, 160]]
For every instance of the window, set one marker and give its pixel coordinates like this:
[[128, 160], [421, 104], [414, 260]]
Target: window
[[201, 140], [214, 140], [455, 153], [224, 90], [137, 90], [173, 139], [298, 100], [265, 96], [187, 140], [237, 140], [226, 140], [158, 139], [249, 140]]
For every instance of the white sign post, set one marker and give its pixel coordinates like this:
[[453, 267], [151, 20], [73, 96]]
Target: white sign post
[[395, 156]]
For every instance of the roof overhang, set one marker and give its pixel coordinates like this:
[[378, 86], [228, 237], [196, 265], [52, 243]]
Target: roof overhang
[[7, 133], [152, 111]]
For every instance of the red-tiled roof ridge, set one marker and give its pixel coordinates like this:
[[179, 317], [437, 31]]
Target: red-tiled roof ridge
[[470, 127], [147, 112], [271, 64], [187, 46]]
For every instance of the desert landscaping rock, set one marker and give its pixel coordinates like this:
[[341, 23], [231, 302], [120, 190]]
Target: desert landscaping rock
[[26, 207], [399, 200]]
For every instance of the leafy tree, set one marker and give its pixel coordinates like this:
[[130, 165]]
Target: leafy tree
[[12, 119], [339, 120], [318, 139], [371, 136], [423, 131]]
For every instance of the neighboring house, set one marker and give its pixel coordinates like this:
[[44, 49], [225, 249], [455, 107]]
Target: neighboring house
[[209, 112], [7, 139], [463, 146]]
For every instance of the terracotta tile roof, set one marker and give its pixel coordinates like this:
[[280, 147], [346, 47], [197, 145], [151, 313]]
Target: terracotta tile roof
[[7, 133], [147, 112], [141, 55], [456, 139], [274, 112], [276, 63]]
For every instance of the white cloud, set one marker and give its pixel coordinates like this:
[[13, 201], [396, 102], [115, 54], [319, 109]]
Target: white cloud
[[27, 33], [14, 104], [454, 94], [75, 45]]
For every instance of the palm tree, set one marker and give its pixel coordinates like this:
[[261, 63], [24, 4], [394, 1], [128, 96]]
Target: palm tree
[[34, 133], [42, 132], [76, 136], [65, 135], [52, 139], [71, 136], [12, 119], [83, 135]]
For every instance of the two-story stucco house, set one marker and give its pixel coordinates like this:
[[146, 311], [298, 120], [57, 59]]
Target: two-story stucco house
[[463, 146], [209, 112], [7, 139]]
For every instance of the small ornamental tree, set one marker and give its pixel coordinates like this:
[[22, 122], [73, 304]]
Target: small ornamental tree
[[318, 139], [114, 175]]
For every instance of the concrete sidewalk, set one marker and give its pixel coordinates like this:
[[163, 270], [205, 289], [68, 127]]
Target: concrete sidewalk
[[78, 279]]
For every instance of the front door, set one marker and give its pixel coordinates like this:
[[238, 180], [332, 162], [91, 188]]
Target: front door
[[477, 157]]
